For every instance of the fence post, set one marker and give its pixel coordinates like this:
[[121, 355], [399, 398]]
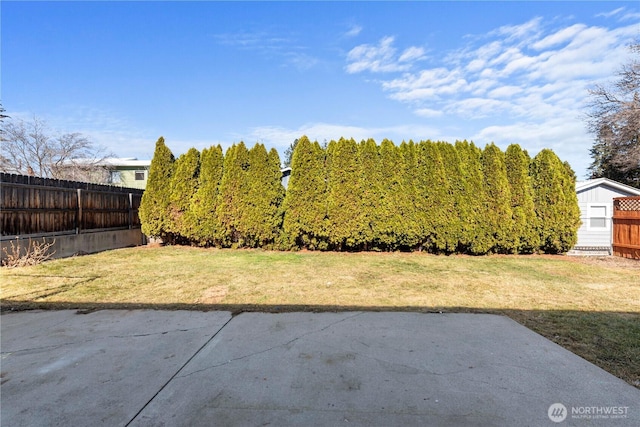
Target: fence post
[[79, 215], [130, 211]]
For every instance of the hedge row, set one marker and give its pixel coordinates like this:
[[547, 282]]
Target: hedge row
[[430, 196]]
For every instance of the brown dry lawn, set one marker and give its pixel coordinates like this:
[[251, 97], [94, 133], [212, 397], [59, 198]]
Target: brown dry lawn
[[590, 306]]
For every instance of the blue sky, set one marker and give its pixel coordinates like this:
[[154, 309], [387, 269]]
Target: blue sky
[[202, 73]]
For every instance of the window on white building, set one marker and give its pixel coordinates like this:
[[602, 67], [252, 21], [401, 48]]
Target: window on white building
[[598, 216], [139, 175]]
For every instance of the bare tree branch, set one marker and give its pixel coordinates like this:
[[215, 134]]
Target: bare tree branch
[[614, 119], [31, 148]]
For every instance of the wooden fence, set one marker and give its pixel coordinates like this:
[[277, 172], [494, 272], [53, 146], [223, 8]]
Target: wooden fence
[[36, 207], [626, 227]]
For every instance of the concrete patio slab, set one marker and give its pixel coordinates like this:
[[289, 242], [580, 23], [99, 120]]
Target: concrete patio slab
[[191, 368], [62, 369]]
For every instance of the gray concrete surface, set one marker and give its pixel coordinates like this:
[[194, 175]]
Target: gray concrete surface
[[191, 368]]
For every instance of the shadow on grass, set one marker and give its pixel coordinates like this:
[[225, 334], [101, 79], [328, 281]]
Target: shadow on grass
[[610, 340]]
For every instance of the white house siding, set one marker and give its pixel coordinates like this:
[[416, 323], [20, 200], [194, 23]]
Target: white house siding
[[590, 201]]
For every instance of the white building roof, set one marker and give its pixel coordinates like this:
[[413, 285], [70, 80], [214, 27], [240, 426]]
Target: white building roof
[[112, 161], [590, 183]]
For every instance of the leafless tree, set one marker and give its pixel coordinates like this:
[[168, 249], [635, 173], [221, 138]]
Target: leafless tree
[[614, 120], [30, 148]]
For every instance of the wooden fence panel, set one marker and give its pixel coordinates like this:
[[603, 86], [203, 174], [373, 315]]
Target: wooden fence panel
[[39, 206], [626, 227]]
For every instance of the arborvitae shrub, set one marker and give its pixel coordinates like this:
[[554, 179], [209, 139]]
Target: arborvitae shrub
[[398, 224], [183, 186], [555, 202], [434, 203], [571, 209], [500, 216], [233, 196], [305, 203], [262, 216], [525, 237], [412, 233], [475, 234], [453, 231], [155, 205], [372, 186], [343, 196], [433, 196], [202, 218]]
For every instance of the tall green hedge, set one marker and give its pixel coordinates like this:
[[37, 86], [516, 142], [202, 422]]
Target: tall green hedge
[[155, 207], [499, 213], [343, 196], [525, 237], [305, 202], [430, 196], [455, 201], [555, 202], [232, 198], [204, 229], [182, 188], [371, 184], [398, 226], [476, 229], [435, 205], [262, 219]]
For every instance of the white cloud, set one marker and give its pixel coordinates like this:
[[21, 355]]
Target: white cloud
[[426, 84], [621, 13], [558, 37], [283, 48], [301, 61], [428, 112], [382, 58], [564, 135], [525, 83], [281, 137], [611, 13], [518, 32], [504, 92], [353, 31], [412, 54]]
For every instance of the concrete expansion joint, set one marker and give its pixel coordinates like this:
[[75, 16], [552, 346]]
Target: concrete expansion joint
[[285, 344], [178, 371]]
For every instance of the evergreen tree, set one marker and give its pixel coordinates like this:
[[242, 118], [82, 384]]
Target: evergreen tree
[[372, 187], [203, 221], [524, 237], [397, 223], [556, 206], [453, 231], [500, 215], [343, 195], [261, 220], [182, 187], [407, 197], [233, 195], [571, 209], [435, 205], [155, 205], [475, 233], [305, 202]]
